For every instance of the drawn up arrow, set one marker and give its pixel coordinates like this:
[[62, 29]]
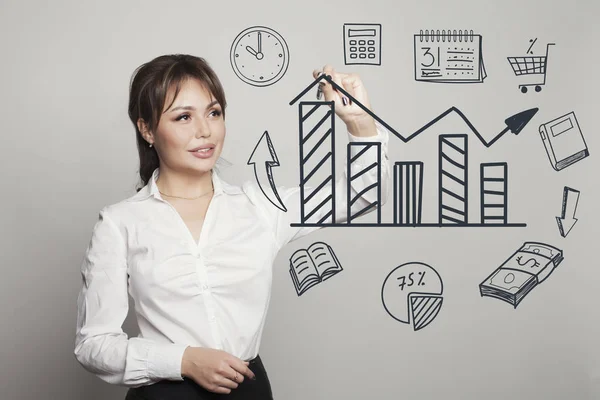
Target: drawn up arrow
[[264, 158], [567, 220], [514, 123]]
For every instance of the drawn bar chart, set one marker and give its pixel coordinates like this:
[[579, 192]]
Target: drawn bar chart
[[317, 173], [358, 151], [453, 179], [317, 162], [494, 192], [408, 192]]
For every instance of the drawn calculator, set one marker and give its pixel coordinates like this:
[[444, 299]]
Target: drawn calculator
[[362, 44]]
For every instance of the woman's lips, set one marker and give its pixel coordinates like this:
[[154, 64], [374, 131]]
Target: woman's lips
[[205, 153]]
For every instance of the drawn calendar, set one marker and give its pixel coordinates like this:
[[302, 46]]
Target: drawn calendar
[[449, 57]]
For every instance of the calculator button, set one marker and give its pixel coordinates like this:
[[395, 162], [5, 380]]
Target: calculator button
[[371, 49], [371, 55], [361, 42], [363, 49], [371, 43], [352, 55], [352, 49], [362, 55], [353, 43]]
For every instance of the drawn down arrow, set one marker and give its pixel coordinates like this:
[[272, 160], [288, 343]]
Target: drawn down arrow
[[567, 220]]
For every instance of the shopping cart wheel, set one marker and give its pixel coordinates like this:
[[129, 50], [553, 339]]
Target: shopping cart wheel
[[524, 89], [538, 88]]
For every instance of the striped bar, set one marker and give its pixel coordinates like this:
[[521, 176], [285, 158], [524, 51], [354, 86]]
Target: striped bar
[[317, 162], [363, 158], [453, 179], [494, 193], [408, 191]]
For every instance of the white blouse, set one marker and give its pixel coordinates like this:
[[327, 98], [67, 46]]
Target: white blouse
[[214, 293]]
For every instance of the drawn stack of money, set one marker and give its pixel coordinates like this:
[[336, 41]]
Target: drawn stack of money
[[525, 269]]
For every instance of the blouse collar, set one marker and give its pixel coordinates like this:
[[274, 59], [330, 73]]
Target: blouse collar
[[151, 189]]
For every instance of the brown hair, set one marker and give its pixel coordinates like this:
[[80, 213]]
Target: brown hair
[[148, 90]]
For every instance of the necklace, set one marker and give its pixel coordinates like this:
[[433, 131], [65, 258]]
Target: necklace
[[188, 198]]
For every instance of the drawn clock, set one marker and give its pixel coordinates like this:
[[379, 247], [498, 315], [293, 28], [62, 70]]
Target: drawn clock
[[259, 56]]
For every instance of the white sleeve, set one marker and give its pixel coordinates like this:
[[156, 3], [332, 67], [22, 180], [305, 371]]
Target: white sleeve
[[101, 346], [364, 174]]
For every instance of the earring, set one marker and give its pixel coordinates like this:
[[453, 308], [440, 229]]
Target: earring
[[150, 145]]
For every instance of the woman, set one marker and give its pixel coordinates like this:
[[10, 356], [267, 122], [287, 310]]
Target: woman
[[194, 252]]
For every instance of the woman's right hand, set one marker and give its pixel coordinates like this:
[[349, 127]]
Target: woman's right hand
[[215, 370]]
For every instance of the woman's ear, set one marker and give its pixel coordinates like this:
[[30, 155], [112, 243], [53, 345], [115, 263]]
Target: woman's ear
[[143, 128]]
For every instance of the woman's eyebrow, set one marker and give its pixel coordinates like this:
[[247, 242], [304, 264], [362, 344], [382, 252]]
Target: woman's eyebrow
[[192, 108]]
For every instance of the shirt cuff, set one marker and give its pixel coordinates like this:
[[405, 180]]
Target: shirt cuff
[[164, 361], [381, 136]]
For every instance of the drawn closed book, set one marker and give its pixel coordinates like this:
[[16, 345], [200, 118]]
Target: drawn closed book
[[310, 266], [522, 272], [563, 141]]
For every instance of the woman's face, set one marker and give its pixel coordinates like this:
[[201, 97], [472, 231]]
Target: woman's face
[[194, 121]]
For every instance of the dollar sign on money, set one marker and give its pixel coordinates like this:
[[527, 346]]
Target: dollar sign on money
[[532, 260]]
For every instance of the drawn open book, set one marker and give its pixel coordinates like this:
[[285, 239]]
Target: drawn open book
[[311, 266]]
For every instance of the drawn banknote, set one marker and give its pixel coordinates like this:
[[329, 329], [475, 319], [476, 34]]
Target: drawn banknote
[[521, 272]]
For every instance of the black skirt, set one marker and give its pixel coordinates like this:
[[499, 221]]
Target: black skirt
[[188, 389]]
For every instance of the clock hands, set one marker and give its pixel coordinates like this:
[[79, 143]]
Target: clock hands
[[258, 54], [259, 42], [252, 51]]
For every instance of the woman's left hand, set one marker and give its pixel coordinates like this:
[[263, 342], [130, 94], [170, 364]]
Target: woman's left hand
[[357, 120]]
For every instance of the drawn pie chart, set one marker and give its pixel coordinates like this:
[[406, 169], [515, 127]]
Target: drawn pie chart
[[412, 294]]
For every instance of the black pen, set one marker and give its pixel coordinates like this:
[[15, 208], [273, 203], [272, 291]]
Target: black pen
[[319, 90]]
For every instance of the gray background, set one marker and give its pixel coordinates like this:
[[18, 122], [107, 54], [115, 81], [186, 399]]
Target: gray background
[[69, 149]]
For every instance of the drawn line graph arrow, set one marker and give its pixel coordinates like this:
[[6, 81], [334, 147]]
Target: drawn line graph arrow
[[567, 220], [514, 123], [264, 158]]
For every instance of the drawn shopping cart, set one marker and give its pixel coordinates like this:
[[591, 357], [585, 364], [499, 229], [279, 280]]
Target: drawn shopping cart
[[531, 65]]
